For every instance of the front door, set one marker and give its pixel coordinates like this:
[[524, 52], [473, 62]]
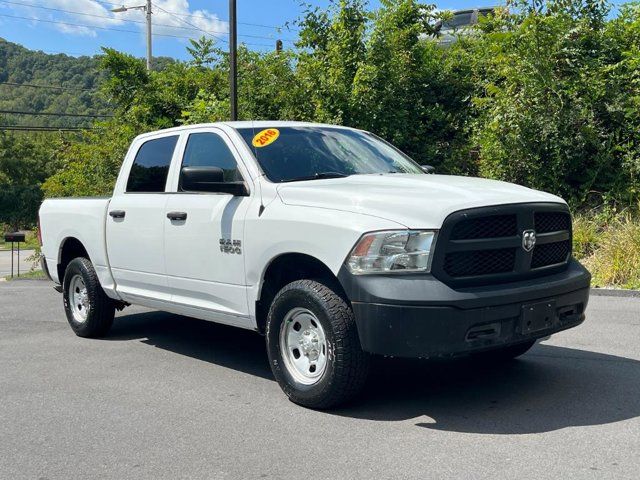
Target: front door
[[204, 240]]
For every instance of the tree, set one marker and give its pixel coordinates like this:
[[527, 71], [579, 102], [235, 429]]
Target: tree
[[202, 51], [545, 94], [19, 205], [333, 47]]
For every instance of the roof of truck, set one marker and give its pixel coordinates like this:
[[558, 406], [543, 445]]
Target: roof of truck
[[257, 124], [276, 123]]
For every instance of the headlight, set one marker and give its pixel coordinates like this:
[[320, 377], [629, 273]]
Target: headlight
[[392, 251]]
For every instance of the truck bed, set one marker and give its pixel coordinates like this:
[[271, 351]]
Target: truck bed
[[82, 218]]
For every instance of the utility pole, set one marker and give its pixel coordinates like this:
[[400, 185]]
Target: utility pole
[[233, 59], [149, 55], [147, 10]]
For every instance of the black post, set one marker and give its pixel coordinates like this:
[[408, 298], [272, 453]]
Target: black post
[[233, 59], [11, 259], [18, 259]]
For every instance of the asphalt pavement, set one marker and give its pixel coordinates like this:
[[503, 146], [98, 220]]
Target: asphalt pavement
[[171, 397]]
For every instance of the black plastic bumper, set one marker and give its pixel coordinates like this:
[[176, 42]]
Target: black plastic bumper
[[419, 316]]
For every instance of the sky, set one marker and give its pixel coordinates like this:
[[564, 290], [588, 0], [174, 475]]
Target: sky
[[81, 27]]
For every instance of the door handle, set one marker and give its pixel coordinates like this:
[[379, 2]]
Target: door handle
[[177, 215], [117, 213]]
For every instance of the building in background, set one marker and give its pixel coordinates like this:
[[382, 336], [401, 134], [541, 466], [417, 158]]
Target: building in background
[[460, 23]]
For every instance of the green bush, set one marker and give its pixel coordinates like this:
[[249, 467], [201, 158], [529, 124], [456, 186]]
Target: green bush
[[544, 94], [556, 105]]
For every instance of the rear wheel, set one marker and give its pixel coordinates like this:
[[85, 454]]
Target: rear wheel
[[505, 353], [89, 311], [313, 345]]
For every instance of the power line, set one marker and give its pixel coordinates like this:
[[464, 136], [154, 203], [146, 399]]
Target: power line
[[180, 14], [56, 114], [93, 15], [52, 87], [26, 128], [195, 27], [112, 29], [86, 26]]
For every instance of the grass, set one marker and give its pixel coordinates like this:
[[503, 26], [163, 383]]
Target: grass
[[31, 275], [609, 246]]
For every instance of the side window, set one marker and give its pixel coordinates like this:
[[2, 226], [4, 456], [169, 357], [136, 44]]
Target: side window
[[210, 150], [151, 166]]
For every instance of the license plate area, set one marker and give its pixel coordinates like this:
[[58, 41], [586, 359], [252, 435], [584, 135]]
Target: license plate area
[[539, 316]]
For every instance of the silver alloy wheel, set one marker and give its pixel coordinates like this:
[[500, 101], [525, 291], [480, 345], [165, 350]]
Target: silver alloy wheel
[[79, 299], [303, 345]]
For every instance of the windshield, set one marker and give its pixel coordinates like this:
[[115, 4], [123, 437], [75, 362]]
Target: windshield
[[287, 154]]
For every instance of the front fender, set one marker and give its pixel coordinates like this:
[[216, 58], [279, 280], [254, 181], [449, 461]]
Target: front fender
[[324, 234]]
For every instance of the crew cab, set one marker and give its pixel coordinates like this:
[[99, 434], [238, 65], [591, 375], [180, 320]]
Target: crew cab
[[327, 240]]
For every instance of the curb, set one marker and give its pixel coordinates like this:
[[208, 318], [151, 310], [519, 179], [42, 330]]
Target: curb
[[614, 292]]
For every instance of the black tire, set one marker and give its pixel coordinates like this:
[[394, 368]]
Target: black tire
[[102, 309], [506, 353], [347, 364]]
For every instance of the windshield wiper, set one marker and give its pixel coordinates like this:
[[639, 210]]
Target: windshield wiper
[[317, 176]]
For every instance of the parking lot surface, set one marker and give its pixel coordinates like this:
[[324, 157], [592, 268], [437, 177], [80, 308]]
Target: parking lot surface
[[171, 397]]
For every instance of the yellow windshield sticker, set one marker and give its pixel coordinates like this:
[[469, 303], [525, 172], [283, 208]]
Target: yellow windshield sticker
[[266, 137]]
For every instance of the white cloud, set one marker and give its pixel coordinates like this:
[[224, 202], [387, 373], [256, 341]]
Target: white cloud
[[77, 30], [186, 25], [170, 17]]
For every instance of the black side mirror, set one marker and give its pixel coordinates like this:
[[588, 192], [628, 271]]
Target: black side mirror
[[428, 169], [209, 179]]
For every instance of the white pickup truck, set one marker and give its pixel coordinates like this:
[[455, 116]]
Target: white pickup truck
[[327, 240]]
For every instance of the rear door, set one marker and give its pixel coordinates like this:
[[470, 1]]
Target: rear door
[[204, 251], [136, 222]]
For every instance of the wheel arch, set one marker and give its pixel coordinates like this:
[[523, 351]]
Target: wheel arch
[[286, 268], [70, 248]]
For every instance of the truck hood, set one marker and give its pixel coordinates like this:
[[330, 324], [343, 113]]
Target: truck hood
[[414, 201]]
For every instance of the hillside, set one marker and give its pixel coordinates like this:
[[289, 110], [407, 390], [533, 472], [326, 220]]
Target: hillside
[[76, 80]]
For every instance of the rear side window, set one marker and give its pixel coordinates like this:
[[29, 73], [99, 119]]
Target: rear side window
[[210, 150], [151, 165]]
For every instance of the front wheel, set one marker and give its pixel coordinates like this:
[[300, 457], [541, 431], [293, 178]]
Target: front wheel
[[89, 311], [313, 345]]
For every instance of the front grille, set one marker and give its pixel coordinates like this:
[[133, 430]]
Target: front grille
[[550, 254], [485, 245], [487, 227], [552, 221], [480, 262]]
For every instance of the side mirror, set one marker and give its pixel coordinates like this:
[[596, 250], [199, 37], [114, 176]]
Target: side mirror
[[428, 169], [209, 179]]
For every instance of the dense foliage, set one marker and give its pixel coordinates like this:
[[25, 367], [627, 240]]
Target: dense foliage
[[557, 107], [26, 161], [545, 93]]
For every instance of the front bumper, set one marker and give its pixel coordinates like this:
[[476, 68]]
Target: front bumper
[[419, 316]]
